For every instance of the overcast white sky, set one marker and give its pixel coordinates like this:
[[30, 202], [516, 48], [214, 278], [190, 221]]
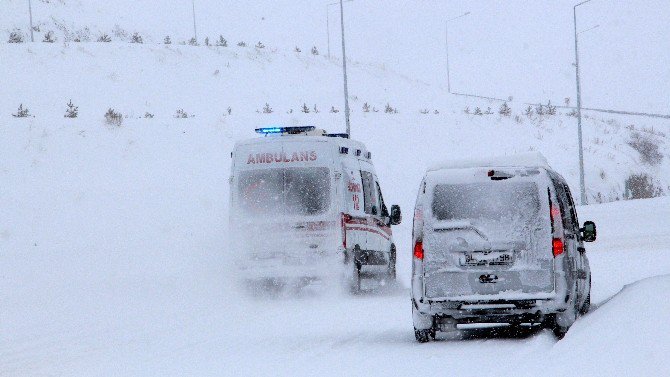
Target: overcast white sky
[[521, 48]]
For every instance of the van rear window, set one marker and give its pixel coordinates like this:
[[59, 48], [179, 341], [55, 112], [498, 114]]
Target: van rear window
[[285, 191], [493, 200]]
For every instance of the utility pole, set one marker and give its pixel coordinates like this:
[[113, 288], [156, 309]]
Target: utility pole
[[195, 30], [447, 43], [344, 69], [582, 188], [30, 13]]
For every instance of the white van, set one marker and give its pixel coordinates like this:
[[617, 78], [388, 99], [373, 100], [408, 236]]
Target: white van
[[303, 203], [497, 242]]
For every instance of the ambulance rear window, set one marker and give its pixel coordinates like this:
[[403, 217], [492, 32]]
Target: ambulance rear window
[[285, 191]]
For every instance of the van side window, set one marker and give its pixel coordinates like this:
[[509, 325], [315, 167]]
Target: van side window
[[385, 211], [567, 213], [369, 194]]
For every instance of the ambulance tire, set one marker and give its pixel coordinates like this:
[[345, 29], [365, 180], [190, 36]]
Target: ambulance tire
[[391, 273], [355, 282]]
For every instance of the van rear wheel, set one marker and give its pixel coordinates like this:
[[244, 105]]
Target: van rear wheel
[[424, 336]]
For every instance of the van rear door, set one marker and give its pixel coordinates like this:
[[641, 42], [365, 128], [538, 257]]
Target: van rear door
[[487, 236], [285, 199]]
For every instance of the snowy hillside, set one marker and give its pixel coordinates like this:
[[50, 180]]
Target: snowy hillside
[[521, 48], [207, 82], [115, 262]]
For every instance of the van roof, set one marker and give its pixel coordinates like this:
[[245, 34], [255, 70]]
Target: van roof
[[525, 160]]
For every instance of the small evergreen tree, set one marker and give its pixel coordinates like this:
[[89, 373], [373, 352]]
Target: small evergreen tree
[[181, 114], [22, 112], [113, 118], [148, 115], [529, 111], [136, 38], [267, 109], [333, 110], [315, 51], [478, 111], [167, 40], [229, 110], [206, 41], [488, 111], [193, 42], [436, 112], [260, 45], [49, 37], [467, 110], [15, 37], [305, 109], [104, 38], [242, 44], [551, 109], [297, 49], [222, 42], [366, 108], [389, 110], [316, 111], [72, 111], [539, 110], [505, 110]]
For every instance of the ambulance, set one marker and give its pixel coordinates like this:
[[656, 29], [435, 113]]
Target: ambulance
[[306, 205]]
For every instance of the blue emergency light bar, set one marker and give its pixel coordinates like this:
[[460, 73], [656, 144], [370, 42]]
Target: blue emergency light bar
[[284, 130]]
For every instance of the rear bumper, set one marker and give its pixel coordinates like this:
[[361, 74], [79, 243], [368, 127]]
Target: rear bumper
[[445, 314]]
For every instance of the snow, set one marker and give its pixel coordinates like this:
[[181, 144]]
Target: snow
[[523, 160], [114, 256]]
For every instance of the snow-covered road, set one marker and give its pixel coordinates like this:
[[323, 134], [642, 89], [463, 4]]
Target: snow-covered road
[[193, 324]]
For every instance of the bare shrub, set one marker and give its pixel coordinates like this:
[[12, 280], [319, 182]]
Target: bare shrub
[[15, 37], [104, 38], [641, 186], [315, 51], [49, 37], [181, 114], [647, 148], [136, 38]]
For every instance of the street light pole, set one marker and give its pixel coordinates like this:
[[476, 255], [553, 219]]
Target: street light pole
[[195, 30], [447, 45], [344, 69], [30, 13], [328, 23], [582, 186]]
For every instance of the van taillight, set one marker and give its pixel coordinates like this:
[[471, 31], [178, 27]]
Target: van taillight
[[418, 250], [557, 247]]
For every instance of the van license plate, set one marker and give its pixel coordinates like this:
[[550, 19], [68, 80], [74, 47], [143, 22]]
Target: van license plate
[[494, 258]]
